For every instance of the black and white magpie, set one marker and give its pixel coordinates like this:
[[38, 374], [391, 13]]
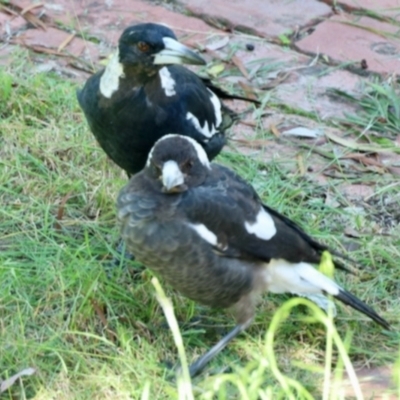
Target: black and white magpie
[[206, 232], [143, 95]]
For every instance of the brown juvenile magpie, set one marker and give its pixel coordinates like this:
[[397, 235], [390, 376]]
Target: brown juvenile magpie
[[206, 232], [143, 95]]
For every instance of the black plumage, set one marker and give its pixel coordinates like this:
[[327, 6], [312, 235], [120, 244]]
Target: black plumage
[[207, 233], [142, 95]]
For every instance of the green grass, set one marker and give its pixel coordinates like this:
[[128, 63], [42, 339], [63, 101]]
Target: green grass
[[55, 292]]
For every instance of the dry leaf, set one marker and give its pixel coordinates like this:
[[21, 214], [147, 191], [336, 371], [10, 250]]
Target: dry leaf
[[60, 212], [303, 132], [216, 69], [239, 64], [362, 158], [248, 123], [248, 90], [218, 44], [350, 232], [352, 144], [31, 7], [101, 313], [256, 143], [6, 384], [277, 80], [26, 13], [66, 42], [275, 131], [300, 163]]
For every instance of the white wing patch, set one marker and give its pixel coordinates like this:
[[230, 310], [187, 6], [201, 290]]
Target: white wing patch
[[207, 130], [217, 107], [263, 227], [109, 81], [205, 233], [167, 82], [204, 130], [284, 277]]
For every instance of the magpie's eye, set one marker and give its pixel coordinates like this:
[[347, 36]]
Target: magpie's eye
[[187, 166], [143, 46], [156, 169]]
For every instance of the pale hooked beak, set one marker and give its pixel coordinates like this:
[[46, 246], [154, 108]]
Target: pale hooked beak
[[177, 53], [172, 178]]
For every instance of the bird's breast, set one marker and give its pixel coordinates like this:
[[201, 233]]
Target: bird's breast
[[189, 265]]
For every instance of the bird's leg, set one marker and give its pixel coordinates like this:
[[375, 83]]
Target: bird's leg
[[201, 362], [123, 253]]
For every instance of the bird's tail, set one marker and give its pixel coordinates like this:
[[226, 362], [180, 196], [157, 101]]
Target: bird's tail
[[328, 286], [352, 301], [304, 279]]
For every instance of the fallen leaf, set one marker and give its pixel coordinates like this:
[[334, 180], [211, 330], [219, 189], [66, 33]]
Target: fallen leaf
[[65, 42], [101, 313], [350, 232], [218, 44], [25, 13], [60, 212], [45, 67], [257, 143], [248, 123], [362, 158], [215, 70], [303, 132], [300, 163], [278, 78], [6, 384], [31, 7], [248, 90], [254, 71], [239, 64], [275, 131], [352, 144]]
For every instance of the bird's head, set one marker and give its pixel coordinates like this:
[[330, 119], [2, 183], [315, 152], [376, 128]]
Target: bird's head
[[152, 44], [178, 162]]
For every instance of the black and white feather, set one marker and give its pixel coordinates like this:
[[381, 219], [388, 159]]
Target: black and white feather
[[207, 233], [143, 95]]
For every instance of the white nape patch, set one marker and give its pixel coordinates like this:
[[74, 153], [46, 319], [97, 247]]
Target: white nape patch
[[321, 301], [282, 276], [109, 81], [167, 82], [263, 227], [201, 154], [205, 233], [172, 175]]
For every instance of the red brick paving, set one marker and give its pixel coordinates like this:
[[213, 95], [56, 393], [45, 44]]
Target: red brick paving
[[261, 17], [105, 20], [308, 89], [10, 24], [306, 82], [367, 41], [388, 8], [53, 38]]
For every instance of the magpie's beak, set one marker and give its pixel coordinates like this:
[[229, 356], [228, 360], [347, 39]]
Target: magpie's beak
[[176, 53], [172, 178]]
